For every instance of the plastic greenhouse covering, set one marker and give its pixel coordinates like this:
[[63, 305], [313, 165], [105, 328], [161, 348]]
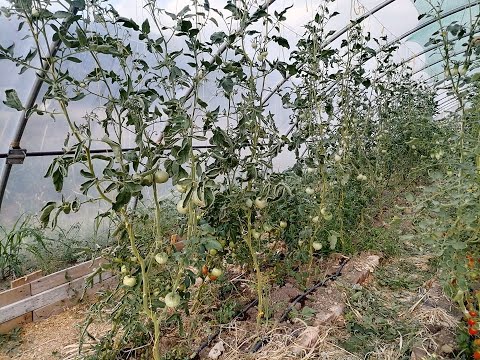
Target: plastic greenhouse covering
[[27, 190]]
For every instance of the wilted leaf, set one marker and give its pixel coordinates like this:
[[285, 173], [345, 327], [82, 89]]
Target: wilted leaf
[[12, 100]]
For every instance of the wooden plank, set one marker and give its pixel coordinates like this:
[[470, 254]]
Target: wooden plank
[[105, 284], [48, 297], [53, 309], [37, 301], [26, 279], [60, 306], [64, 276], [19, 321], [13, 295]]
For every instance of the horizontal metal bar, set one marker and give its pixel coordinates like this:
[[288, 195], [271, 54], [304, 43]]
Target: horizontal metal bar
[[92, 151]]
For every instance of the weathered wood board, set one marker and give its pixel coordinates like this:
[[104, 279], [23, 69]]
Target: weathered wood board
[[34, 297]]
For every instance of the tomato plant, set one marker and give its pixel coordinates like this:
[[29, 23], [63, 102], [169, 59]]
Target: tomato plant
[[186, 111]]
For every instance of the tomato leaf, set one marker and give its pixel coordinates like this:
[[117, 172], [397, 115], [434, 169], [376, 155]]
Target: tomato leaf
[[12, 100]]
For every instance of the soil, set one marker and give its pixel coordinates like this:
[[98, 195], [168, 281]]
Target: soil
[[53, 338]]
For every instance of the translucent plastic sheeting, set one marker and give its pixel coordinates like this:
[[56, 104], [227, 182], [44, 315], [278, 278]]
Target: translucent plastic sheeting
[[28, 191], [464, 17], [44, 134], [11, 79]]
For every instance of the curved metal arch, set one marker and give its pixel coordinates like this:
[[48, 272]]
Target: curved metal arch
[[434, 47], [384, 47], [415, 29], [449, 99], [423, 68], [446, 97], [447, 103], [449, 107]]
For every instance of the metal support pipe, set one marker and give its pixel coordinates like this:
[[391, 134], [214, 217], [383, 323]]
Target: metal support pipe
[[415, 29], [93, 151], [423, 68], [449, 107], [401, 37], [32, 98], [447, 103]]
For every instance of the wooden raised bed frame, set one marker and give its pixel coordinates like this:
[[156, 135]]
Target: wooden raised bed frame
[[35, 297]]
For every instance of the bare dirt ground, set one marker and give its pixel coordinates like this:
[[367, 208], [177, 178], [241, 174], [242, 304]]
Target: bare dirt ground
[[53, 338]]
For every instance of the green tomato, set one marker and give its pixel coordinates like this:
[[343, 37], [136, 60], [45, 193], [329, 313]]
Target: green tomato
[[256, 234], [317, 245], [123, 269], [147, 180], [161, 258], [182, 210], [172, 300], [328, 216], [216, 272], [267, 227], [213, 252], [137, 178], [463, 70], [129, 281], [181, 188], [260, 203], [283, 224], [309, 191], [197, 201], [161, 176]]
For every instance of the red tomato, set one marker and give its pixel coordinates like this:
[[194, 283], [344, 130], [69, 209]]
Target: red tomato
[[476, 355], [472, 331], [473, 313], [471, 322]]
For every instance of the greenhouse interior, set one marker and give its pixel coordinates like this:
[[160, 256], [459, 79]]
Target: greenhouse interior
[[239, 179]]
